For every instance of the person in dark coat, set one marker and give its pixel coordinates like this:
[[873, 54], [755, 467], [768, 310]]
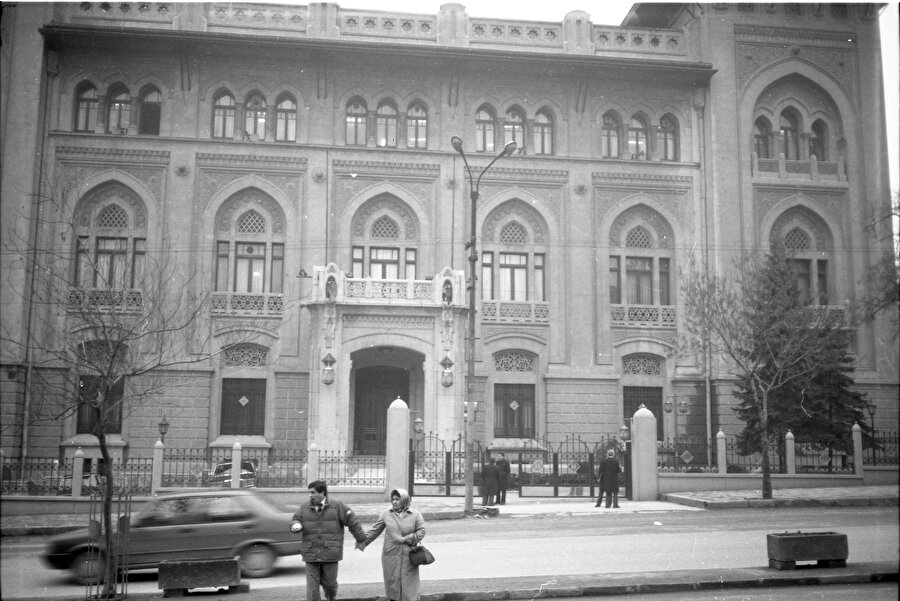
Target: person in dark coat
[[609, 480], [321, 522], [490, 477], [503, 478]]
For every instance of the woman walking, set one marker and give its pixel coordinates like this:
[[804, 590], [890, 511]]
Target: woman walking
[[404, 528]]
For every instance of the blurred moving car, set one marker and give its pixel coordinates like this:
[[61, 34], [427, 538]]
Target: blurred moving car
[[221, 475], [193, 525]]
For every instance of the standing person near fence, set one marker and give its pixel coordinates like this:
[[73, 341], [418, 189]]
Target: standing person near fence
[[609, 480], [503, 478], [490, 477], [404, 528], [321, 522]]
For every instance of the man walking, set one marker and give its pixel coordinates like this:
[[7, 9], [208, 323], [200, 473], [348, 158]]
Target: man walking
[[609, 480], [321, 521], [502, 477]]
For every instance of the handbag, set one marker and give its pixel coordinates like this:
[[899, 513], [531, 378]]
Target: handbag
[[420, 556]]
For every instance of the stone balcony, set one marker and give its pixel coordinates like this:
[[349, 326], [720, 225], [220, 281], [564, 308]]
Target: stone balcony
[[104, 300], [515, 312], [805, 170], [246, 304], [643, 316]]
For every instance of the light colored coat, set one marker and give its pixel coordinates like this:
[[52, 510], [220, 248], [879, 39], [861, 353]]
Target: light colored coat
[[402, 531]]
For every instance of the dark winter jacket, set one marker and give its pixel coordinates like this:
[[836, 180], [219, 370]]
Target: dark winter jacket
[[609, 475], [323, 531]]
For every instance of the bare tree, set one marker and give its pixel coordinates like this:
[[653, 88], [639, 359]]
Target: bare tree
[[882, 280], [755, 326]]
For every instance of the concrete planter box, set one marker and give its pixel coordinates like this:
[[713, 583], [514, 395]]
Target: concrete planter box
[[827, 549], [176, 577]]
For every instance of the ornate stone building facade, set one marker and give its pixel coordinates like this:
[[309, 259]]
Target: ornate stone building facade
[[296, 160]]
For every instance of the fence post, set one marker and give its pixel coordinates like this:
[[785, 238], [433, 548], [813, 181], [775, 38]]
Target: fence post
[[790, 456], [857, 450], [77, 472], [721, 452], [645, 479], [236, 465], [157, 473], [312, 461]]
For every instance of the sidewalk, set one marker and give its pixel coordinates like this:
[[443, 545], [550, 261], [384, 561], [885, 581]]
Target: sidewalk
[[443, 508]]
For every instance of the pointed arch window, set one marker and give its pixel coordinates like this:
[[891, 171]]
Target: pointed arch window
[[485, 124], [86, 107], [255, 116], [610, 136], [386, 126], [543, 133], [149, 111], [118, 110], [637, 138], [384, 254], [223, 116], [809, 265], [357, 115], [110, 253], [818, 140], [789, 135], [513, 269], [514, 128], [761, 137], [250, 258], [640, 273], [286, 120], [416, 126], [667, 138]]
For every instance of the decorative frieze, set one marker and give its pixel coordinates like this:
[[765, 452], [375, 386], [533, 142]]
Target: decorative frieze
[[385, 323], [251, 162], [81, 154], [386, 169], [643, 180]]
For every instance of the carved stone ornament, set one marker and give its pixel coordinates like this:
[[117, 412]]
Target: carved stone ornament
[[251, 198], [105, 194]]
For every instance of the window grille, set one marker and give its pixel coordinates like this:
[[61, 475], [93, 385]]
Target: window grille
[[796, 239], [513, 233], [385, 228], [642, 365], [639, 237], [245, 355], [514, 361], [251, 222], [112, 217]]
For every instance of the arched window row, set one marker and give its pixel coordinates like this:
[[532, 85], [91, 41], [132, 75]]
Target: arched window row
[[638, 138], [390, 126], [120, 111], [796, 137], [494, 130], [258, 117]]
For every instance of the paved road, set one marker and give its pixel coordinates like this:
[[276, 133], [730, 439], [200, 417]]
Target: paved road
[[544, 546]]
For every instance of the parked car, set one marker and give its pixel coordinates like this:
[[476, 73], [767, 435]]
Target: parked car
[[194, 525], [221, 475]]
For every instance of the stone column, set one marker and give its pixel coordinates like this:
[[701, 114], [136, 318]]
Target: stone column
[[236, 465], [857, 450], [397, 452], [157, 472], [790, 456], [721, 453], [644, 477]]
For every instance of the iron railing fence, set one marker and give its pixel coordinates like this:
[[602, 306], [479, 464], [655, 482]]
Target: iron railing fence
[[737, 462], [45, 476], [883, 449], [692, 454], [340, 468]]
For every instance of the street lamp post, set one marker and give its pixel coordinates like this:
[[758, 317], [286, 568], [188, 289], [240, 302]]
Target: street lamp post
[[474, 183]]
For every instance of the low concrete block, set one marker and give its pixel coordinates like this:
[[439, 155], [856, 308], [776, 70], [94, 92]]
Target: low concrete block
[[827, 549], [181, 575]]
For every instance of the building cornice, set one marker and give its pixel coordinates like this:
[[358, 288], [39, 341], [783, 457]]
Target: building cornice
[[87, 154]]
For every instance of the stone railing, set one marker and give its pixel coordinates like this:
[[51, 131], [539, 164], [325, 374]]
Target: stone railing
[[644, 316], [668, 42], [515, 311], [372, 289], [105, 300], [811, 169], [246, 304]]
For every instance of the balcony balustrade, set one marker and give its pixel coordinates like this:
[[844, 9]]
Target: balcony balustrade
[[515, 311], [246, 304], [644, 316], [389, 290], [105, 300], [811, 169]]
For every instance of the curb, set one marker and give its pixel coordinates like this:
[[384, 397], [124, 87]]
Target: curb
[[772, 503]]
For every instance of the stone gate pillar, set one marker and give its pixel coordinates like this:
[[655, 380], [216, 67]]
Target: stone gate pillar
[[396, 460], [644, 476]]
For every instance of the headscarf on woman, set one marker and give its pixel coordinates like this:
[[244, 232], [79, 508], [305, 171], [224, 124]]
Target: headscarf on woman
[[405, 499]]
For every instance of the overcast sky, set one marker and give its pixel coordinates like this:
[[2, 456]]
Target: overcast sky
[[611, 12]]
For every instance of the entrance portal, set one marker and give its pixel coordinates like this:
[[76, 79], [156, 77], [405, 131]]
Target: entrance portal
[[376, 388]]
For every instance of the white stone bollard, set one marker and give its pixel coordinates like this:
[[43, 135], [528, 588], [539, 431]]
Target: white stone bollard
[[397, 453]]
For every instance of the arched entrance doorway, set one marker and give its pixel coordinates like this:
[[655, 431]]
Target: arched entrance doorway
[[376, 389]]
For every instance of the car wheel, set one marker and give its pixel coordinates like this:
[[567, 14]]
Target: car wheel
[[88, 567], [257, 561]]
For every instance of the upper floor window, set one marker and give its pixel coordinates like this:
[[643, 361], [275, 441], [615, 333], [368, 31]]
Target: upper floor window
[[512, 270], [514, 127], [357, 115], [485, 123], [818, 140], [251, 258], [109, 252], [416, 126], [223, 116], [386, 125], [86, 107], [641, 274], [149, 111], [119, 110], [667, 138], [255, 116], [286, 120], [637, 138], [761, 136], [543, 133], [789, 135], [810, 268], [610, 136], [385, 241]]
